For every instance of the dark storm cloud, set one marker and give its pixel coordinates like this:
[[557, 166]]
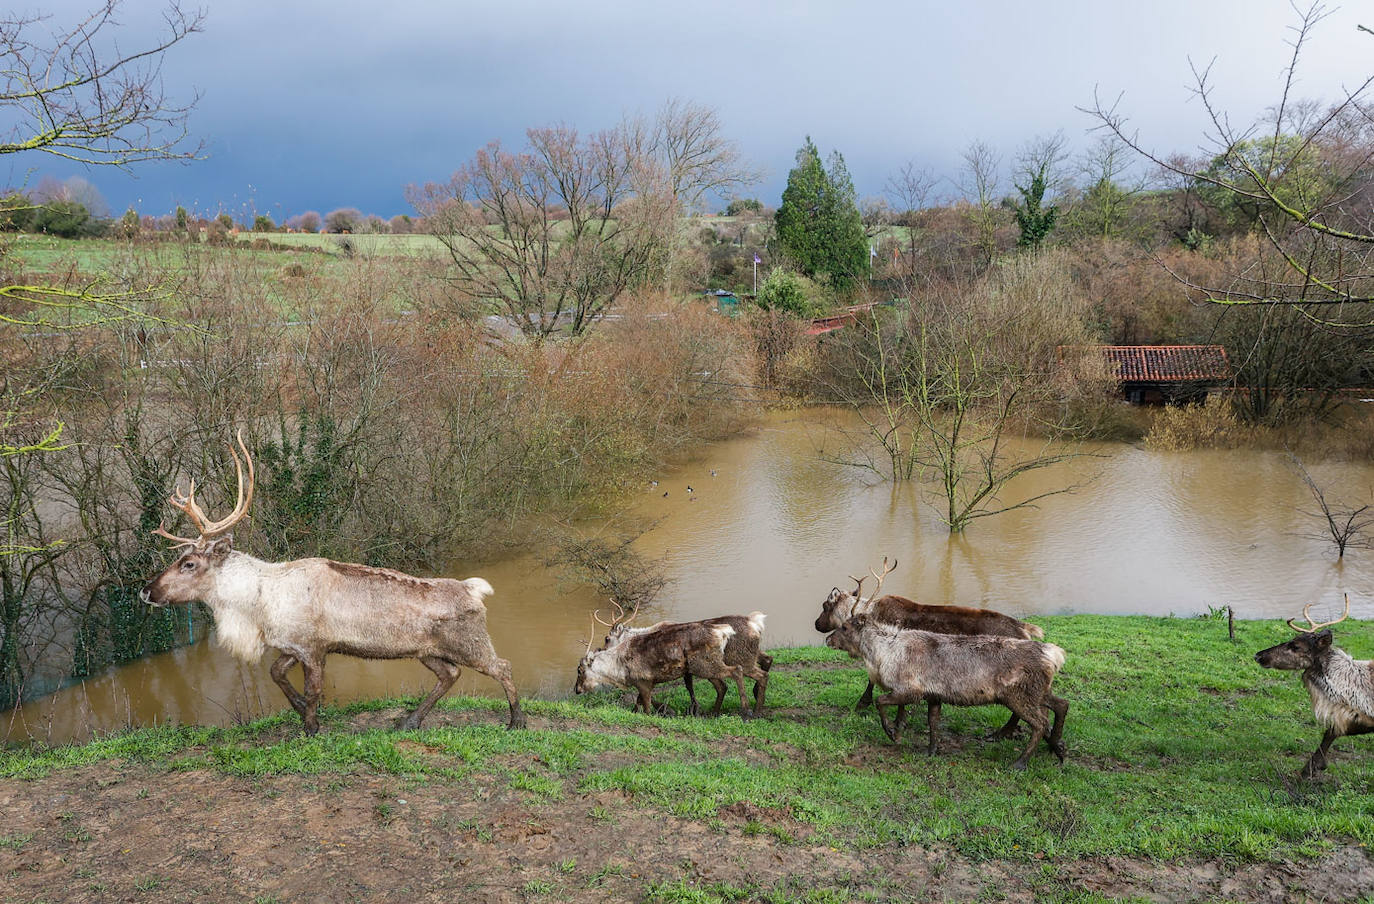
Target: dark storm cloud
[[328, 104]]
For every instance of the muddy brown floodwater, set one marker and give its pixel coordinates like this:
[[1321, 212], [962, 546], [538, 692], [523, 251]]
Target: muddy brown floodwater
[[769, 525]]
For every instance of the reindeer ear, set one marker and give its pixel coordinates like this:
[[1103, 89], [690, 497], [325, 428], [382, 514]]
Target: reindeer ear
[[219, 547], [858, 621], [1322, 640]]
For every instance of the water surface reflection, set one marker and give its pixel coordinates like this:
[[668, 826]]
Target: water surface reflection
[[776, 527]]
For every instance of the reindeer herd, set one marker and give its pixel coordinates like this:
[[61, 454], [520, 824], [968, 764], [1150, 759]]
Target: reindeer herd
[[306, 609]]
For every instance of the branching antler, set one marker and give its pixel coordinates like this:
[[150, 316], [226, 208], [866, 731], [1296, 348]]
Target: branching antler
[[886, 571], [207, 528], [619, 615], [1315, 626]]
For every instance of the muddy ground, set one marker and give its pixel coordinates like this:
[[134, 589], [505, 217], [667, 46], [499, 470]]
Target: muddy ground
[[131, 832]]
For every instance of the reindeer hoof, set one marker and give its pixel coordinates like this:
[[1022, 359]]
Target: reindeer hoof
[[1001, 734], [516, 723], [410, 723], [1019, 765]]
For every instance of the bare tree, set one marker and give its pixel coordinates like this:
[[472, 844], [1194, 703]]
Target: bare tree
[[909, 192], [1346, 526], [687, 139], [981, 186], [76, 94], [611, 565], [1108, 193], [1303, 175], [968, 394], [552, 236]]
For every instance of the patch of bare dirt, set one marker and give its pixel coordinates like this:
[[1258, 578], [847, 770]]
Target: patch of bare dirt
[[115, 832]]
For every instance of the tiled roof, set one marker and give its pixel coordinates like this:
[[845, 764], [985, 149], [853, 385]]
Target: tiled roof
[[1168, 363]]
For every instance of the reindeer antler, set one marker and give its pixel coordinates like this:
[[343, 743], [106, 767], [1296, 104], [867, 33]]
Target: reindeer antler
[[858, 585], [886, 571], [592, 636], [209, 529], [1315, 627], [619, 615]]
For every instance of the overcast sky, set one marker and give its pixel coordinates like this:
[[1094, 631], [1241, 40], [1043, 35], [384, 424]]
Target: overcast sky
[[319, 104]]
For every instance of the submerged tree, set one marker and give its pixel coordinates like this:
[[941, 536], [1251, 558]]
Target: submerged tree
[[969, 391]]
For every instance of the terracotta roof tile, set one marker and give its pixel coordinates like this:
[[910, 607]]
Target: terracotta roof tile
[[1168, 363]]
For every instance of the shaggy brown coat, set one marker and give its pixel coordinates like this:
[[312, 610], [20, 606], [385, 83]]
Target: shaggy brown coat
[[742, 650], [962, 670], [662, 653]]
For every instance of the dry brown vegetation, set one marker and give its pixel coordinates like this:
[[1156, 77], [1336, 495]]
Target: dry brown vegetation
[[387, 430]]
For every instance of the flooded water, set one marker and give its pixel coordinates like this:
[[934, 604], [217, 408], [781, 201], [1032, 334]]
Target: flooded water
[[769, 525]]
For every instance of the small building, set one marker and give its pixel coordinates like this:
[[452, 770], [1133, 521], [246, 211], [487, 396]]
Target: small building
[[1167, 374]]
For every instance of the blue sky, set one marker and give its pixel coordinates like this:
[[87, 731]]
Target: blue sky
[[308, 104]]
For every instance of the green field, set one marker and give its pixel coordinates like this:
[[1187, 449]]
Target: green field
[[1180, 746]]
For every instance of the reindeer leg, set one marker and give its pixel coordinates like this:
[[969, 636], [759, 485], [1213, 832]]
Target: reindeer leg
[[894, 730], [279, 670], [760, 677], [765, 664], [1060, 706], [447, 673], [687, 681], [932, 724], [1317, 762], [744, 710], [866, 700], [314, 690], [1006, 731], [645, 700], [1034, 716], [719, 687], [499, 669]]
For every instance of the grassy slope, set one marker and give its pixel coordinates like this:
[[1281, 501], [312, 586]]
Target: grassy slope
[[1179, 746]]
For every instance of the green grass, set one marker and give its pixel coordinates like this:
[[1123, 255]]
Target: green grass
[[1180, 746]]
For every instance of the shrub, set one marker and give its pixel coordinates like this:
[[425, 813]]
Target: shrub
[[345, 219], [789, 293], [1214, 425]]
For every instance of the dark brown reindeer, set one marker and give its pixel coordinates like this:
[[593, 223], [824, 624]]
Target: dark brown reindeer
[[664, 652], [1342, 688], [742, 651], [841, 605], [308, 608], [962, 670]]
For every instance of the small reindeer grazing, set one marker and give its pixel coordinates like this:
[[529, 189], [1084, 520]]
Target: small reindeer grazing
[[1342, 688], [962, 670], [742, 651], [309, 608], [841, 605], [662, 653]]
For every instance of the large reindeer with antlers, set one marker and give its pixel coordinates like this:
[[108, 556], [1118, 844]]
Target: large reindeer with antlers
[[309, 608], [1342, 688], [841, 605]]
